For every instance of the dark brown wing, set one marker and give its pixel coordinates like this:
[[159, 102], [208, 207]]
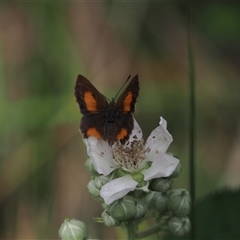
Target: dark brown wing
[[126, 101], [89, 99]]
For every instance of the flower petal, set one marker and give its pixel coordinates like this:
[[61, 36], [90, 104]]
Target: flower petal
[[117, 188], [163, 166], [101, 154], [136, 132], [159, 139]]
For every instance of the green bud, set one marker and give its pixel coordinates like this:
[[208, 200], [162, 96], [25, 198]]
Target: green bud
[[179, 202], [90, 166], [109, 220], [92, 188], [161, 184], [177, 171], [147, 199], [141, 211], [138, 177], [101, 180], [123, 209], [159, 202], [95, 192], [179, 226], [72, 230]]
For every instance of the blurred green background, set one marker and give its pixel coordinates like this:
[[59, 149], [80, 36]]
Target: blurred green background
[[45, 45]]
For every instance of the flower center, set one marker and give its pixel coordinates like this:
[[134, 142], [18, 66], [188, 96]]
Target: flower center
[[131, 156]]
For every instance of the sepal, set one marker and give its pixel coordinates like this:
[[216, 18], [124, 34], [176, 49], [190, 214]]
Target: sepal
[[109, 220], [140, 210]]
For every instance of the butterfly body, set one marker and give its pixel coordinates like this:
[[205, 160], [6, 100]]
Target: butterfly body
[[111, 121]]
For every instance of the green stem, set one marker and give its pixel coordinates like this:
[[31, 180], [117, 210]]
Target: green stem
[[131, 231], [155, 229], [159, 226], [192, 119]]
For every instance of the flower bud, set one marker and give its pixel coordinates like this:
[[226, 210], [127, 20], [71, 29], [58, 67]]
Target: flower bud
[[177, 171], [179, 202], [179, 226], [101, 180], [109, 220], [95, 192], [147, 199], [73, 229], [90, 166], [140, 210], [161, 184], [159, 202], [123, 209]]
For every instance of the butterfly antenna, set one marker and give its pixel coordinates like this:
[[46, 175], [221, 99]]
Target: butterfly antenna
[[107, 98], [122, 86]]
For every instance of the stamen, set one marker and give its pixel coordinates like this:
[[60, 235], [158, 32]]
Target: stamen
[[131, 156]]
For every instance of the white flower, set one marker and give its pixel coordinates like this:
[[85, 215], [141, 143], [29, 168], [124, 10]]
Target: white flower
[[132, 157]]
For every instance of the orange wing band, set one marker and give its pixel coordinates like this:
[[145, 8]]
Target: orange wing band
[[127, 102], [90, 101], [93, 132], [123, 133]]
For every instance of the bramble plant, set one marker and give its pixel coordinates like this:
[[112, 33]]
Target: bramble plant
[[133, 181]]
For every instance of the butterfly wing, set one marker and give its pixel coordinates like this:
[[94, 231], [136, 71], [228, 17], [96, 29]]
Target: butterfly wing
[[93, 106], [127, 100], [126, 106], [89, 99]]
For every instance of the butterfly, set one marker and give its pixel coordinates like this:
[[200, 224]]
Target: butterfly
[[103, 119]]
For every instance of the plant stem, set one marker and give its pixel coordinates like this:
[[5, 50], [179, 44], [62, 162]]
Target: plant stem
[[131, 231], [192, 117], [155, 229]]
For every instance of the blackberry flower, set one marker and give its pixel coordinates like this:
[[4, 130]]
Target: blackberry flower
[[140, 161]]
